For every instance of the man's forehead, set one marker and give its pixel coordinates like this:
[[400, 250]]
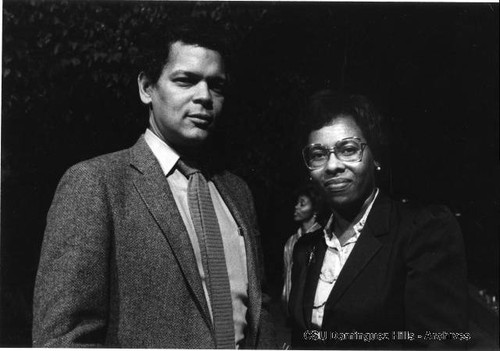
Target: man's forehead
[[194, 59], [180, 47]]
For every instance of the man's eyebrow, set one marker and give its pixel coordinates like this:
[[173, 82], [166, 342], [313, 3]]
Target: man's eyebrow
[[186, 73], [195, 75]]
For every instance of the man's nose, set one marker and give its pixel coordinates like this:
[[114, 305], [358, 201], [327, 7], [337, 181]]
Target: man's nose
[[202, 93]]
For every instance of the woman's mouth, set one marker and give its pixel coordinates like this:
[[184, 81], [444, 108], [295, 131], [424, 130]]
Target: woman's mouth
[[337, 184]]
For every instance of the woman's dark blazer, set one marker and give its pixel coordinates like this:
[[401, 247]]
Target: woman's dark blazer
[[407, 272]]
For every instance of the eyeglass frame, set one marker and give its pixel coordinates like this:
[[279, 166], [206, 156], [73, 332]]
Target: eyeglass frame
[[332, 150]]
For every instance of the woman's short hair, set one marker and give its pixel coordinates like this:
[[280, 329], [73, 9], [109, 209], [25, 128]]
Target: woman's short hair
[[325, 106]]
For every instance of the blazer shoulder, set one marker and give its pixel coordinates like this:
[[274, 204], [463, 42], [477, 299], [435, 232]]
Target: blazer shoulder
[[100, 167], [428, 227], [421, 214], [93, 176], [103, 163]]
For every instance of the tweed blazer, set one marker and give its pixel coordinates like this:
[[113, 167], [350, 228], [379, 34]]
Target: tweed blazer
[[117, 268], [407, 272]]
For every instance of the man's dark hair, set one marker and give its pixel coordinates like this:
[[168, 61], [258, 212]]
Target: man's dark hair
[[325, 106], [201, 32]]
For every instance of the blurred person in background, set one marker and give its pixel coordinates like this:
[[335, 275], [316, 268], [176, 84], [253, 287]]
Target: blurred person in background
[[306, 215]]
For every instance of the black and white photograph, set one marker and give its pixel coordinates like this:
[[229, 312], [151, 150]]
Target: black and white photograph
[[239, 174]]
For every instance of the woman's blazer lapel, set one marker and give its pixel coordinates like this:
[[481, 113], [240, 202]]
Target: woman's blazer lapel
[[366, 248], [153, 188], [314, 264]]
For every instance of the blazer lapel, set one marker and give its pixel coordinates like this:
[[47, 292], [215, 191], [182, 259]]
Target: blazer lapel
[[367, 246], [154, 190], [315, 262], [254, 289]]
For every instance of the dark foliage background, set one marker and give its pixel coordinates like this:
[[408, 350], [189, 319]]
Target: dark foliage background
[[69, 93]]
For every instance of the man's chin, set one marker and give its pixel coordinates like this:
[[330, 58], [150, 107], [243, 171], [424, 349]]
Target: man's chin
[[193, 141], [199, 138]]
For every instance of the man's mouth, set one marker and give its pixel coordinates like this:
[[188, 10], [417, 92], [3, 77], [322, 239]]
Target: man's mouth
[[201, 119]]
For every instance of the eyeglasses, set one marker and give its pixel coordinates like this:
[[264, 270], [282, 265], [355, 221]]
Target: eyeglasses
[[345, 150]]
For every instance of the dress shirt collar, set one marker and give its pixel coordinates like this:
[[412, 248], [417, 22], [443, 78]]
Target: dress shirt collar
[[330, 237], [166, 156]]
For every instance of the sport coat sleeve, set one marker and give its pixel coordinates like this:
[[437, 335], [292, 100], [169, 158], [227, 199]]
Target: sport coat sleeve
[[71, 290], [436, 285]]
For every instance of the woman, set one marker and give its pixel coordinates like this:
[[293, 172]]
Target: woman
[[382, 273], [306, 214]]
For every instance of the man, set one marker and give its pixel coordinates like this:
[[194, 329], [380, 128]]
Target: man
[[129, 257]]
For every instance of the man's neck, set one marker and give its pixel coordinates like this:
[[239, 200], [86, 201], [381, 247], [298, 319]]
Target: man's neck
[[154, 127], [185, 153]]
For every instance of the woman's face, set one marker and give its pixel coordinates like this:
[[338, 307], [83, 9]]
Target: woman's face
[[303, 209], [346, 184]]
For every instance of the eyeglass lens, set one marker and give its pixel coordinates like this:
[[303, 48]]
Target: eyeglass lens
[[345, 150]]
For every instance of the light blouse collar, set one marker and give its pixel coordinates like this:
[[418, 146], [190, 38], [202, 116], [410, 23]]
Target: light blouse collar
[[330, 236]]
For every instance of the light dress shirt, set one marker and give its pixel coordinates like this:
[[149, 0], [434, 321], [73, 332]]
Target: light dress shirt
[[336, 256], [234, 243], [288, 259]]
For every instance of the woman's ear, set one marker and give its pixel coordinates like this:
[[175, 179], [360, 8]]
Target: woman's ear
[[378, 167], [145, 88]]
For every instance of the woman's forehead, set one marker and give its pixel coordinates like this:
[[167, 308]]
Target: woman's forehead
[[338, 129]]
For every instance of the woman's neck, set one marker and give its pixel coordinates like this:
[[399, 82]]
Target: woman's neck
[[307, 224], [344, 222]]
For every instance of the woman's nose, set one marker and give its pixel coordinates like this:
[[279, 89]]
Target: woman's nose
[[334, 163]]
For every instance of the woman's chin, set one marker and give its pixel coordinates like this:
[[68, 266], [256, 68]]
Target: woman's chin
[[338, 200]]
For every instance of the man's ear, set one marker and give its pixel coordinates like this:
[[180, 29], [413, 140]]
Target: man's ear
[[145, 88]]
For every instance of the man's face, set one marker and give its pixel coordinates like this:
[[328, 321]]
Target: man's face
[[189, 94]]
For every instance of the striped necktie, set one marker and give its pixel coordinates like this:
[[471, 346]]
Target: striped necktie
[[212, 252]]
